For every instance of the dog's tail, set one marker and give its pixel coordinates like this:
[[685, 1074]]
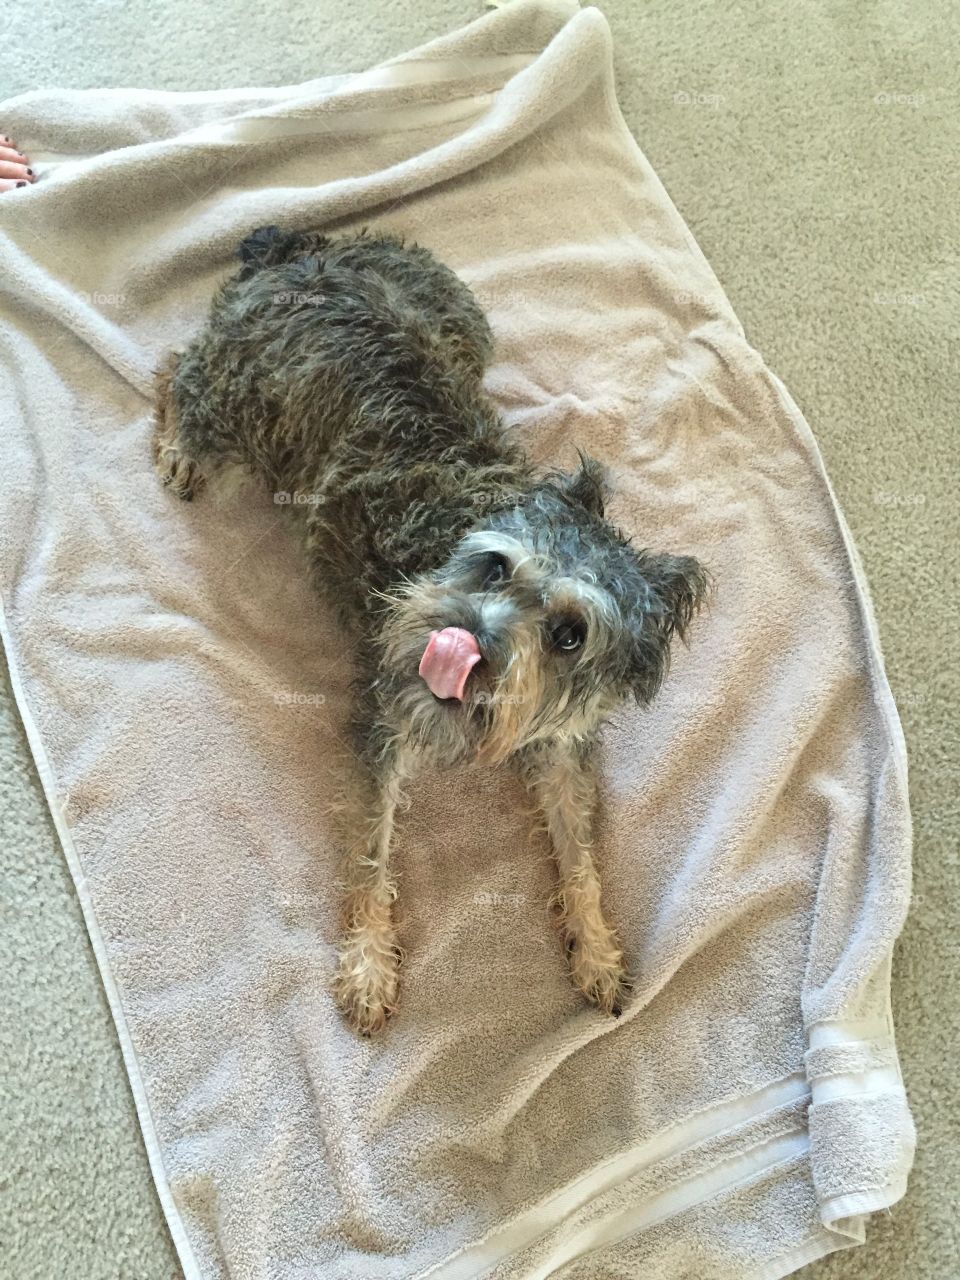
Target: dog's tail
[[269, 247]]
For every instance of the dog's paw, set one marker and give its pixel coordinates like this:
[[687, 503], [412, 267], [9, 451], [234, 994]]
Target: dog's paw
[[180, 474], [178, 471], [366, 985], [597, 970]]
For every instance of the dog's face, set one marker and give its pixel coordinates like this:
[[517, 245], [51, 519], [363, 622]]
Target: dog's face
[[539, 623]]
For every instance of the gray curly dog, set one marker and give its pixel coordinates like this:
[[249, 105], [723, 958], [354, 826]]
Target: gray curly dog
[[500, 617]]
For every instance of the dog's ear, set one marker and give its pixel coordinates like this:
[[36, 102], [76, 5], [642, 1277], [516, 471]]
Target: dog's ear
[[259, 245], [269, 247], [681, 584], [676, 587], [589, 485]]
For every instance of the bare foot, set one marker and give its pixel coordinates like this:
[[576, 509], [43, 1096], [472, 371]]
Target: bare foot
[[15, 168]]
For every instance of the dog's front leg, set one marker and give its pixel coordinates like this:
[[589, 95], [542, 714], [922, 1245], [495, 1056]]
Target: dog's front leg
[[563, 783], [367, 978]]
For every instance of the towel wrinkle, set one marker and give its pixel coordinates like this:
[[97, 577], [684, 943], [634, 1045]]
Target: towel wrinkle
[[188, 700]]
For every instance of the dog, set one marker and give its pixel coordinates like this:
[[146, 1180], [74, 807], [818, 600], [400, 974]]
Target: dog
[[499, 616]]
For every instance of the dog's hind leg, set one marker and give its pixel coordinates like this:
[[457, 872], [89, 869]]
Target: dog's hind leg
[[177, 469], [367, 980]]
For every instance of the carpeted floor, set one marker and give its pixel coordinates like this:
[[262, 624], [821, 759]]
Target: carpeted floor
[[810, 148]]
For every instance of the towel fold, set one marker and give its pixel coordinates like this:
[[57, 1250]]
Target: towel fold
[[186, 698]]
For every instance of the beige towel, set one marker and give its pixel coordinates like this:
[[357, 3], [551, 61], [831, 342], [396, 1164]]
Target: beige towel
[[185, 694]]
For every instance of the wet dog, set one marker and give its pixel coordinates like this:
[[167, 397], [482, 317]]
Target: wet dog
[[499, 616]]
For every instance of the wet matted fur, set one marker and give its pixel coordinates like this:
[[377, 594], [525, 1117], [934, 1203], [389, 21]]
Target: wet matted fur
[[347, 373]]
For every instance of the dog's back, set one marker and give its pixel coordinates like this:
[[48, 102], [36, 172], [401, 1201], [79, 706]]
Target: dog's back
[[346, 371], [312, 335], [420, 289]]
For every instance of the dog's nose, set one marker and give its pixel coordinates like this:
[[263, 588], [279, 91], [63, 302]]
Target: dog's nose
[[494, 619]]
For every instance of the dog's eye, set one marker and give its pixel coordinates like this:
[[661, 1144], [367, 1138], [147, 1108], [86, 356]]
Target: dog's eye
[[569, 636], [496, 569]]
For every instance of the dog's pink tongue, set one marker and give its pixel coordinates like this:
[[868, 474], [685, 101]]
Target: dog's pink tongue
[[450, 656]]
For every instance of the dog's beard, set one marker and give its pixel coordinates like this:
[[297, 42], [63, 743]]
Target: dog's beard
[[519, 694], [496, 717], [508, 713], [502, 701]]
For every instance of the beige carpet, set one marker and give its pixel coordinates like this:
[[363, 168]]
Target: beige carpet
[[812, 150]]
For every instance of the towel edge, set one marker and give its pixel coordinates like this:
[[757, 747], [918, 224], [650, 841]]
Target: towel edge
[[138, 1088]]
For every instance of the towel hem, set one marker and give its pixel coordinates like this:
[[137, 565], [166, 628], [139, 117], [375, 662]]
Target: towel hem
[[811, 1250], [727, 1116], [846, 1230]]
